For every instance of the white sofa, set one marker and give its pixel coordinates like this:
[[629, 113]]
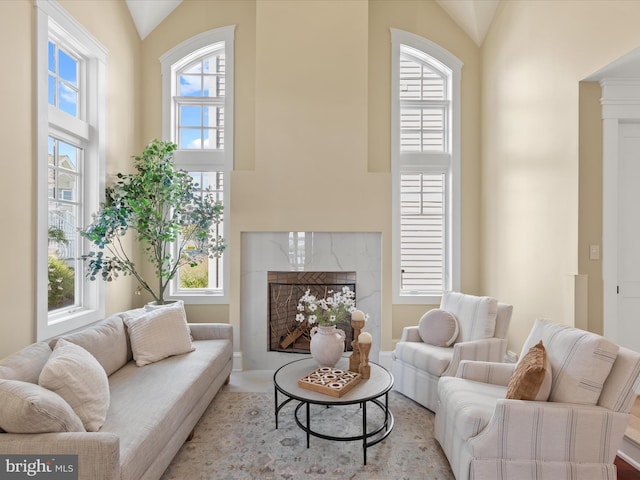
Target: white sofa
[[574, 435], [152, 408], [418, 366]]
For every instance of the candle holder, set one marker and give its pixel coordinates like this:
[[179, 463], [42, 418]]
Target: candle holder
[[354, 360], [365, 368]]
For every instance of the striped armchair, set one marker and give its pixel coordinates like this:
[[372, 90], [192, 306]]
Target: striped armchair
[[574, 435], [418, 366]]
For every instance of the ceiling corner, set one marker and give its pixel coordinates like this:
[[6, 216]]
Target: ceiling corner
[[473, 16], [148, 14]]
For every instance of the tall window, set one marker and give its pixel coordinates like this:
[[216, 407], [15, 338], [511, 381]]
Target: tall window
[[70, 135], [197, 78], [425, 169]]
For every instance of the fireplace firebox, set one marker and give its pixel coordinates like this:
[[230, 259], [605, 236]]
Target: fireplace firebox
[[287, 335]]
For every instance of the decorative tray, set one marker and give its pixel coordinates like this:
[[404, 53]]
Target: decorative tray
[[330, 381]]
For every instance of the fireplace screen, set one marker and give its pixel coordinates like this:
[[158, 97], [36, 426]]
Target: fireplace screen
[[285, 289]]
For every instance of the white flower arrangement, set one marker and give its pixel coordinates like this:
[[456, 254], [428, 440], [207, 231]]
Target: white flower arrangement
[[327, 311]]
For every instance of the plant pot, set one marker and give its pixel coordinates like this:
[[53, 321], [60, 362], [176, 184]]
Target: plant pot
[[327, 345], [154, 305]]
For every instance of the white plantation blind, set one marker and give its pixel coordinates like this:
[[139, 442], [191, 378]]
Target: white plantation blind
[[424, 104], [422, 227], [425, 167]]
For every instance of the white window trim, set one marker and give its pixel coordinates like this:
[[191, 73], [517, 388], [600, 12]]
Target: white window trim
[[51, 17], [203, 160], [415, 162]]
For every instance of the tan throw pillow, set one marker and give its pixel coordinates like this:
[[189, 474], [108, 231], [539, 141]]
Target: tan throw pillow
[[531, 379], [25, 364], [75, 375], [159, 333], [438, 327], [30, 408]]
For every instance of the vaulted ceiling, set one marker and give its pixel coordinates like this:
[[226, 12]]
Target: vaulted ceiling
[[473, 16], [148, 14]]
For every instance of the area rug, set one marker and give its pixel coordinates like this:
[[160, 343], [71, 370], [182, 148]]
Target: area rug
[[236, 439]]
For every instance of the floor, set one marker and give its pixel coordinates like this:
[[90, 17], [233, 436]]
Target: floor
[[626, 471], [251, 381], [262, 381]]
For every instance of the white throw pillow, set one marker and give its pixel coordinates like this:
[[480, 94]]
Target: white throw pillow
[[30, 408], [75, 375], [438, 327], [159, 333], [580, 361], [476, 315]]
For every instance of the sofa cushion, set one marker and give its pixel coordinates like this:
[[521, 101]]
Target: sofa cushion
[[471, 404], [26, 364], [476, 315], [145, 413], [423, 356], [30, 408], [159, 333], [75, 375], [531, 379], [580, 361], [106, 341], [438, 327]]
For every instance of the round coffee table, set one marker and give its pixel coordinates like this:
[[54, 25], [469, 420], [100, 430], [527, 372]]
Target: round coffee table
[[367, 391]]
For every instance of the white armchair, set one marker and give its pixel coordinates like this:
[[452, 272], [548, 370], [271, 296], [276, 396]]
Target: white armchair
[[417, 366], [574, 435]]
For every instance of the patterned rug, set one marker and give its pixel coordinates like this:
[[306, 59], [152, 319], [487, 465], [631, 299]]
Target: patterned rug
[[236, 439]]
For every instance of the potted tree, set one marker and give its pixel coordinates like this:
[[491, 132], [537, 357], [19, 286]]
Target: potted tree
[[173, 218]]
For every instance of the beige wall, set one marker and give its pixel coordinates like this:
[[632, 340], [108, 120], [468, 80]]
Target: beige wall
[[17, 282], [312, 136], [110, 24], [312, 101], [312, 142], [590, 199], [534, 57]]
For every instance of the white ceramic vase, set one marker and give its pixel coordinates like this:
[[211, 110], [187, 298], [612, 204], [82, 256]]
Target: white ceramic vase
[[327, 345]]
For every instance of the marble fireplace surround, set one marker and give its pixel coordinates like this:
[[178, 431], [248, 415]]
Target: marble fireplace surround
[[304, 251]]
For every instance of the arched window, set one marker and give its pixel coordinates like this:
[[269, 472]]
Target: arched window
[[197, 78], [199, 101], [425, 169]]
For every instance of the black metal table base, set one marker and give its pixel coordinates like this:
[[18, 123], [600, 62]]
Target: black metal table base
[[368, 438]]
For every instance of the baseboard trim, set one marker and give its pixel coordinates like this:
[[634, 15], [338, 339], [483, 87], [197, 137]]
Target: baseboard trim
[[630, 452], [385, 359], [237, 361]]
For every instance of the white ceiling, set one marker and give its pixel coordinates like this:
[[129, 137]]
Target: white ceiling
[[148, 14], [473, 16], [627, 66]]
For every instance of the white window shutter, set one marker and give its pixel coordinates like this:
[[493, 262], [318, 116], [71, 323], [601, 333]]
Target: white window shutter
[[422, 233]]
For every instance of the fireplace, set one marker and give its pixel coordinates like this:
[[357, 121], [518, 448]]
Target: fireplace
[[264, 252], [285, 334]]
